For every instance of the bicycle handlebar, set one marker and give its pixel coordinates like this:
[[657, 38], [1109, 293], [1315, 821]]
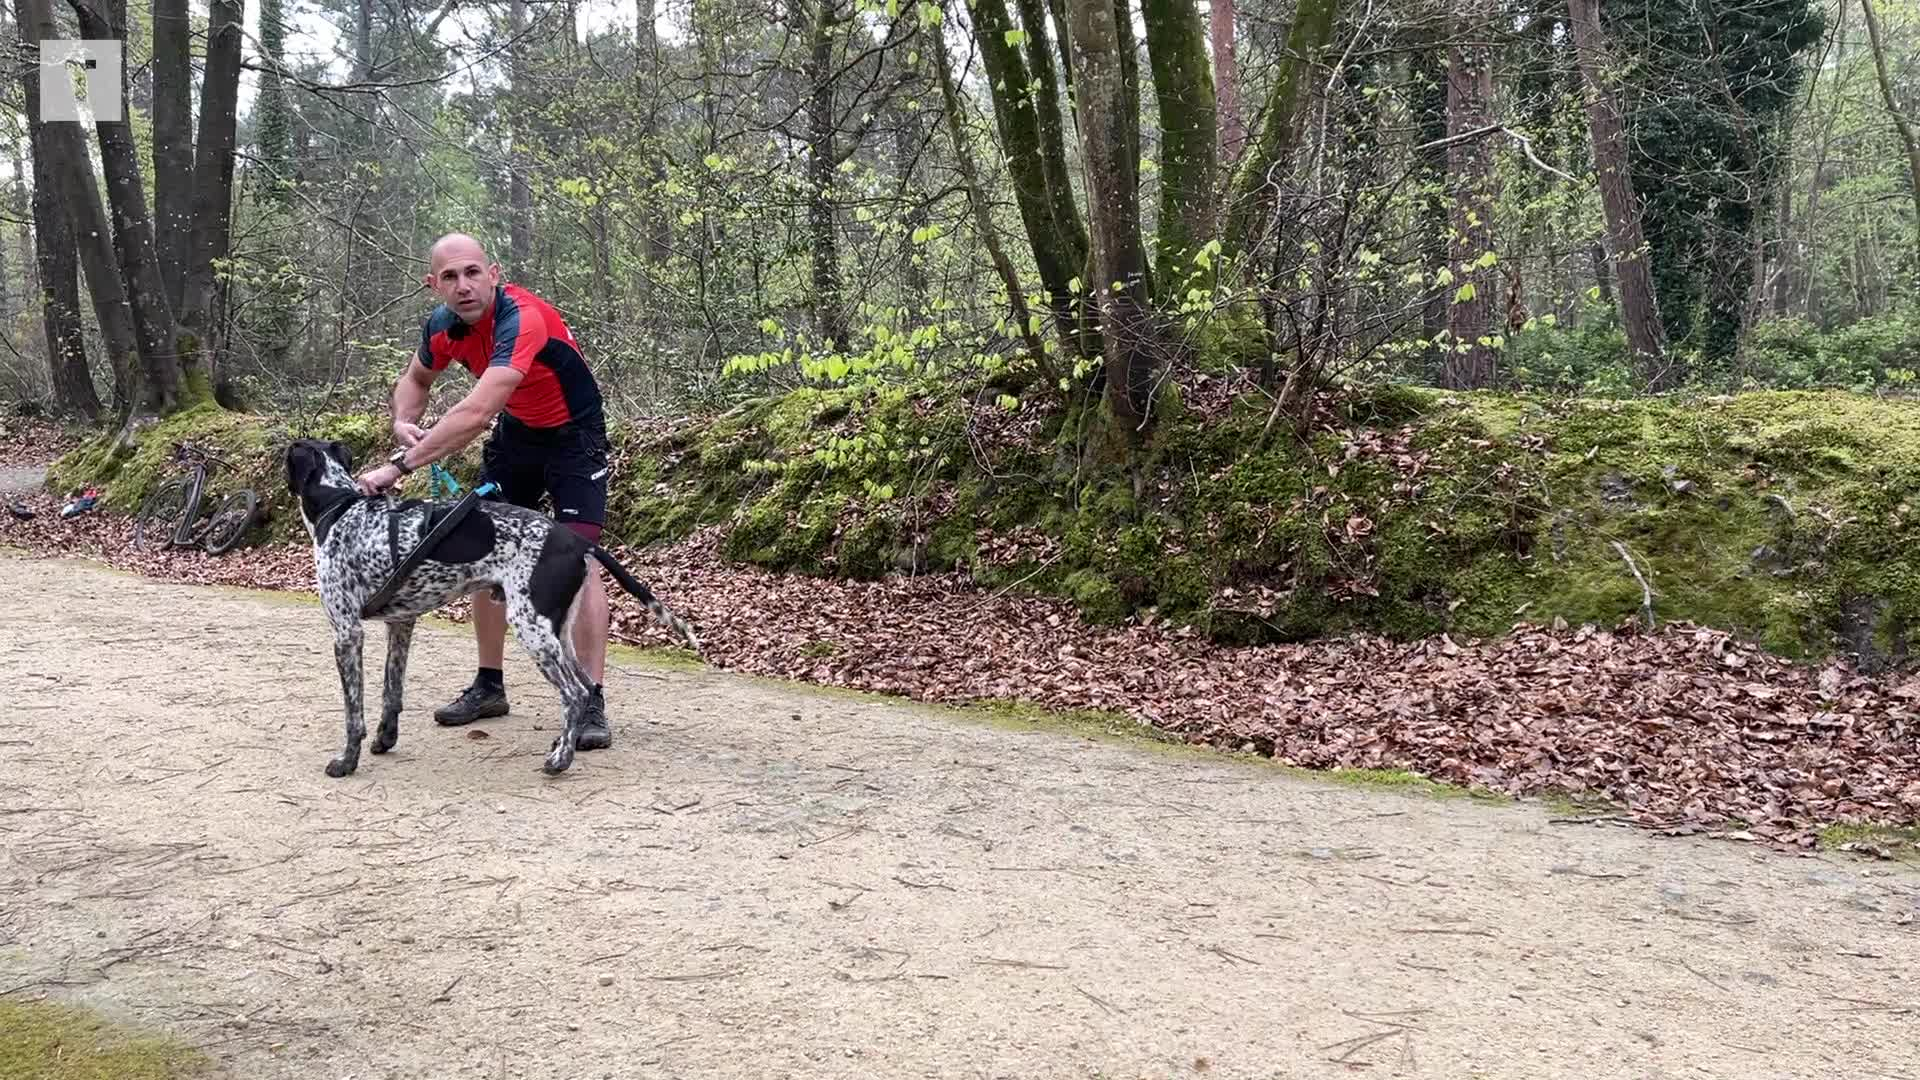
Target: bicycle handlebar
[[184, 450]]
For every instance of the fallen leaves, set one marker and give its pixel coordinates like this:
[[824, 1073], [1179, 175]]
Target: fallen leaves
[[26, 442]]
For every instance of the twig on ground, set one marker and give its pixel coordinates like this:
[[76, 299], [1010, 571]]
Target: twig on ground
[[1108, 1006], [1646, 590]]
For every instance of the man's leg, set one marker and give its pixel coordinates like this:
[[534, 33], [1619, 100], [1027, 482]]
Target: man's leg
[[590, 628], [487, 695], [590, 644], [578, 484]]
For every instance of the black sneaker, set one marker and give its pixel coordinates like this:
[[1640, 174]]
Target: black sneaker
[[474, 703], [594, 732]]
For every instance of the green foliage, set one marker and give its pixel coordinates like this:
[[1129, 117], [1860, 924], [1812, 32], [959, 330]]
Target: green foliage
[[1881, 353], [1589, 360], [1706, 123]]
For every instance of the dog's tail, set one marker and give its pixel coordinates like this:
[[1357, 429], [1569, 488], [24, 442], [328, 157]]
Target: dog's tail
[[638, 588]]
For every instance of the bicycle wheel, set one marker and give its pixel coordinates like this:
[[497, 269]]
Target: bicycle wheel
[[162, 514], [230, 520]]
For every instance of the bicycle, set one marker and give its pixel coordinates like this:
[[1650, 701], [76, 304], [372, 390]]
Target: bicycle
[[174, 509]]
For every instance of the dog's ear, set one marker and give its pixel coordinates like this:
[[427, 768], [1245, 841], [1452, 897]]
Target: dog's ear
[[341, 453], [301, 466]]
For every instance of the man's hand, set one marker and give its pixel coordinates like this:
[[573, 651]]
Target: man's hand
[[407, 434], [376, 480]]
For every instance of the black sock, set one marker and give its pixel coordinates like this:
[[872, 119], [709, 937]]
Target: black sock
[[492, 678]]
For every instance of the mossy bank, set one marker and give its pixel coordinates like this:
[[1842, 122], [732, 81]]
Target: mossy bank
[[252, 443], [1787, 517]]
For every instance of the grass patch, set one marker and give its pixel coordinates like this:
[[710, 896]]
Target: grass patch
[[658, 657], [1900, 843], [1577, 804], [1098, 724], [49, 1041], [1402, 780]]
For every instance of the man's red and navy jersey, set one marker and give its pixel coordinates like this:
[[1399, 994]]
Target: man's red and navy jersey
[[525, 333]]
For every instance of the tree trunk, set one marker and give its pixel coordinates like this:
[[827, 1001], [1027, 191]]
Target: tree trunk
[[519, 190], [1430, 96], [1470, 359], [173, 173], [7, 294], [57, 272], [1626, 246], [358, 286], [908, 135], [1119, 255], [1602, 273], [1030, 140], [603, 265], [62, 165], [983, 214], [1183, 87], [273, 137], [153, 327], [23, 204], [830, 313], [657, 228], [212, 185], [1900, 121], [1128, 50], [1058, 8], [1255, 192], [1226, 82], [1810, 256], [1049, 117]]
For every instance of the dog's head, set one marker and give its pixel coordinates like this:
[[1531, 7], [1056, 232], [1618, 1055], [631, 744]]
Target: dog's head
[[313, 465]]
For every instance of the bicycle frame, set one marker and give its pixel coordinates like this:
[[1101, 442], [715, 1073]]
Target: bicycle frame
[[193, 486]]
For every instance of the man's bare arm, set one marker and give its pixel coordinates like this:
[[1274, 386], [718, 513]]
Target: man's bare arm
[[466, 420], [410, 401]]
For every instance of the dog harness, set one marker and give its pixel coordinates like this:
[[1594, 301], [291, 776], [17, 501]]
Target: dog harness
[[403, 566]]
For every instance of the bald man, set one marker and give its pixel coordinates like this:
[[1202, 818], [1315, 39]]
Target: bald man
[[551, 439]]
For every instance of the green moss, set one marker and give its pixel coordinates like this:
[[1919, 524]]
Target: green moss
[[866, 550], [252, 444], [48, 1041], [1099, 599], [1497, 509]]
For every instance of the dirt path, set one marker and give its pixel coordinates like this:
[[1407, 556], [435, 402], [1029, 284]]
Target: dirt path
[[766, 881]]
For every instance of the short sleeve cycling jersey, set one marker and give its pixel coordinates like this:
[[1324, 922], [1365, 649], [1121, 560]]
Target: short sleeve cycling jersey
[[525, 333]]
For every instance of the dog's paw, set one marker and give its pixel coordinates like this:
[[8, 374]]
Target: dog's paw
[[389, 734], [340, 766], [559, 757]]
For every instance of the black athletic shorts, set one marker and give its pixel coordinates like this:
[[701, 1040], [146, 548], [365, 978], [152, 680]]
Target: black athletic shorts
[[567, 464]]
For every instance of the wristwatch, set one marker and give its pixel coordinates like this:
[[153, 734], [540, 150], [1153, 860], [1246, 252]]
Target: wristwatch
[[399, 461]]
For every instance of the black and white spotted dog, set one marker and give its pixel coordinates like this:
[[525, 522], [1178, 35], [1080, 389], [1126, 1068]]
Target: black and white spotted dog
[[529, 561]]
